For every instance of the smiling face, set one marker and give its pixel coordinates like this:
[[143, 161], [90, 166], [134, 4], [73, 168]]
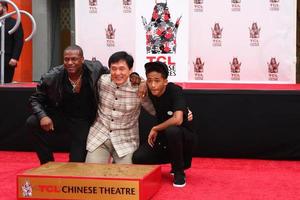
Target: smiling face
[[119, 72], [73, 62], [135, 79], [156, 83]]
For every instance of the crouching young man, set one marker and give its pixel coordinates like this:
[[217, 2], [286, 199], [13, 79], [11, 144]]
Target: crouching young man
[[171, 140]]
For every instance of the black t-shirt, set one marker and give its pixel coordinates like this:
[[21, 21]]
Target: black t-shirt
[[77, 105], [170, 101]]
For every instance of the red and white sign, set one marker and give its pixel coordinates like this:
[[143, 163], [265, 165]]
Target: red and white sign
[[219, 41]]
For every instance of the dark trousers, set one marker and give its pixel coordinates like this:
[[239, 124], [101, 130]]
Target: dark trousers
[[174, 145], [9, 74], [43, 142], [9, 71]]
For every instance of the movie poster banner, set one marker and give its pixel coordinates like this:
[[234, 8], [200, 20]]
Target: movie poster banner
[[242, 41], [104, 27], [162, 35], [219, 41]]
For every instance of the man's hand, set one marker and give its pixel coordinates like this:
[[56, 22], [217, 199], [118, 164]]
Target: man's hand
[[190, 115], [152, 137], [47, 124], [13, 62], [142, 92]]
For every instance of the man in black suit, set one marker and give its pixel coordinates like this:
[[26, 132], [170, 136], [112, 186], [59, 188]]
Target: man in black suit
[[13, 44]]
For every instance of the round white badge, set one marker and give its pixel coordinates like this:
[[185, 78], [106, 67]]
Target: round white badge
[[170, 113]]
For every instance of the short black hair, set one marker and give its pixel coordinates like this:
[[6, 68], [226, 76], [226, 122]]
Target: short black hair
[[121, 55], [74, 48], [157, 66], [134, 73]]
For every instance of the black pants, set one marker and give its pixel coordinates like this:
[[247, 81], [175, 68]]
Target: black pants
[[9, 73], [174, 145], [43, 142]]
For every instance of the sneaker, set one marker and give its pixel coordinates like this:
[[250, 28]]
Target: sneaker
[[179, 179]]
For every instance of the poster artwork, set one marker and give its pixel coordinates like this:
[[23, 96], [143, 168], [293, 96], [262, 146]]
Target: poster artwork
[[198, 69], [217, 35], [198, 5], [273, 66], [254, 32], [274, 5], [93, 6], [235, 67], [161, 34], [110, 35], [127, 6], [236, 5]]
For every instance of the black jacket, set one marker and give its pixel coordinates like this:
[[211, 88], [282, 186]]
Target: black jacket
[[14, 42], [49, 91]]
